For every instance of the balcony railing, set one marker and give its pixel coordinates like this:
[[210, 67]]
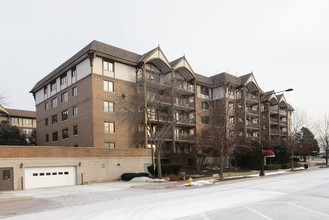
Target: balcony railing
[[252, 125], [190, 121], [185, 137], [283, 112], [284, 133], [159, 135], [184, 105], [283, 123], [274, 132], [253, 112], [274, 120], [159, 99]]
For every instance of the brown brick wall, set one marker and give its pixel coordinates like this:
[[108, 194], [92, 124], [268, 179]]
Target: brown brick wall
[[125, 126], [83, 120]]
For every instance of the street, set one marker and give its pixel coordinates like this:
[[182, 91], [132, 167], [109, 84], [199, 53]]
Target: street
[[299, 195]]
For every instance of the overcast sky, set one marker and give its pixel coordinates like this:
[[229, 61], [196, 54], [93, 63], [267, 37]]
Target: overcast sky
[[284, 43]]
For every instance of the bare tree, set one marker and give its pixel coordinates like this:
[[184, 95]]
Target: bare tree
[[224, 134], [323, 135], [299, 120], [3, 99], [155, 119]]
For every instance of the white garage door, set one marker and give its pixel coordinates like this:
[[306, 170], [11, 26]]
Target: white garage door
[[38, 177]]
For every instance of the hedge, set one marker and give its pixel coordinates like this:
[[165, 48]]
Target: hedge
[[130, 176], [281, 166], [167, 169]]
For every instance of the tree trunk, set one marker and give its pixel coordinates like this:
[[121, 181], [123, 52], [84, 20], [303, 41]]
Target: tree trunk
[[221, 171], [327, 156], [292, 159], [159, 164]]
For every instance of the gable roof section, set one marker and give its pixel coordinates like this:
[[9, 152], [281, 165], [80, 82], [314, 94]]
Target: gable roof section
[[182, 66], [157, 58], [245, 79], [3, 111]]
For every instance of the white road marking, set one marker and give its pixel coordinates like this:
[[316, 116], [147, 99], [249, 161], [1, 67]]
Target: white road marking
[[258, 213], [311, 210]]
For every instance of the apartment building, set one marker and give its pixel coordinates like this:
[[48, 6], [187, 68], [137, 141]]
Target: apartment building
[[81, 102], [24, 120]]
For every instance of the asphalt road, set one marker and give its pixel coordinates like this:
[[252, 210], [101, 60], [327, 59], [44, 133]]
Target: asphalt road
[[301, 195]]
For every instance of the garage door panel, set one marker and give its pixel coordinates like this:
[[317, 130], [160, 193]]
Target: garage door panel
[[38, 177]]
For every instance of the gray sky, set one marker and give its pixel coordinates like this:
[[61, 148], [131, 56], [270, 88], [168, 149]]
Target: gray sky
[[284, 42]]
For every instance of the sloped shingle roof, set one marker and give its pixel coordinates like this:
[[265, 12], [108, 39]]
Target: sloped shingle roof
[[21, 113]]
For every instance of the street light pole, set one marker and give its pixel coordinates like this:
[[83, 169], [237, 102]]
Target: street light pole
[[261, 172]]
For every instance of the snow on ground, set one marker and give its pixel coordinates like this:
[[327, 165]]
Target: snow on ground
[[146, 179], [202, 182]]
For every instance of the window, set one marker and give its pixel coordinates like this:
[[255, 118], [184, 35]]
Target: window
[[45, 92], [63, 79], [27, 121], [205, 120], [75, 130], [65, 115], [53, 119], [65, 133], [46, 106], [75, 110], [53, 86], [64, 97], [231, 119], [6, 175], [14, 120], [232, 134], [47, 138], [204, 90], [54, 102], [230, 106], [108, 66], [46, 122], [109, 127], [204, 105], [74, 72], [55, 136], [110, 145], [74, 91], [27, 130], [108, 86], [108, 106]]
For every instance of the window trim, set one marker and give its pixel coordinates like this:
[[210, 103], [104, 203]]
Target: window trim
[[67, 134], [109, 127]]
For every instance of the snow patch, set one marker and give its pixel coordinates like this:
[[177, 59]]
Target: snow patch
[[202, 182], [146, 179]]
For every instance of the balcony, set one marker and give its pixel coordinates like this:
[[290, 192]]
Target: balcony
[[284, 133], [252, 112], [162, 118], [180, 105], [155, 82], [186, 138], [158, 99], [252, 125], [184, 89], [274, 121], [190, 122], [283, 123], [160, 135], [274, 132], [283, 112]]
